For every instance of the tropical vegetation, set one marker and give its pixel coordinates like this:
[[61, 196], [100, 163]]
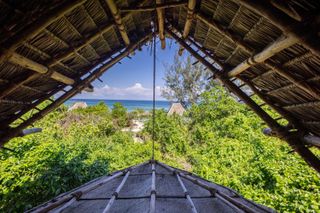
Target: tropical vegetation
[[218, 139]]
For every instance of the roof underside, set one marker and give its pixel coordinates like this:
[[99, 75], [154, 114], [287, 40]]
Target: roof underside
[[53, 46], [175, 191]]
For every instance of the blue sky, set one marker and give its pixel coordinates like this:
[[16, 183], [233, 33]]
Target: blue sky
[[132, 79]]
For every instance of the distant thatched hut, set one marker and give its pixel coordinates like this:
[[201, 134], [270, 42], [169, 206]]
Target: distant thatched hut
[[78, 105], [176, 108]]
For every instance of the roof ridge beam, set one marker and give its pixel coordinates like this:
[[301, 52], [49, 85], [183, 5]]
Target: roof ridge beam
[[153, 188], [117, 17], [187, 26], [160, 15], [152, 8]]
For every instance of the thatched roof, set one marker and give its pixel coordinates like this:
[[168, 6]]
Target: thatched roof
[[132, 190], [176, 108], [271, 47]]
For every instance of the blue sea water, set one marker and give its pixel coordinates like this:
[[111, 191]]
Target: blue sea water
[[129, 104]]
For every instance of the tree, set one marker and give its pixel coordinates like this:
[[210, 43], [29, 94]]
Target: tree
[[119, 114], [184, 82]]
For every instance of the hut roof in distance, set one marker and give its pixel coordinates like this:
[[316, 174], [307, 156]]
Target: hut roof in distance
[[131, 190], [176, 108]]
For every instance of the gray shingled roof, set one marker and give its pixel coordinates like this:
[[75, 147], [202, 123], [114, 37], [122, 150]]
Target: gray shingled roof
[[131, 190]]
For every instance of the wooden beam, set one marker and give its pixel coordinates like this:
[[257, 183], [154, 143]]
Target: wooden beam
[[78, 87], [116, 15], [152, 7], [160, 15], [290, 137], [190, 10], [303, 32], [26, 63], [41, 23], [280, 44], [312, 140], [300, 83], [272, 48], [286, 8], [284, 113]]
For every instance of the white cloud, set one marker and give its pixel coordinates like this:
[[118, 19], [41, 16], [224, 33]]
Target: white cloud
[[134, 92]]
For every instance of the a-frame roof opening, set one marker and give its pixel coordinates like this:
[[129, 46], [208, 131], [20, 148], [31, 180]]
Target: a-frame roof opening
[[272, 47]]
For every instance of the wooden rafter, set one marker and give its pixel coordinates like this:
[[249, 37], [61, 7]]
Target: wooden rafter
[[160, 15], [152, 8], [267, 52], [42, 22], [24, 62], [288, 25], [292, 138], [118, 20], [280, 44], [80, 86], [187, 27]]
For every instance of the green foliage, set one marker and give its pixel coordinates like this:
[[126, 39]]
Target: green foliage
[[185, 81], [218, 139], [119, 114]]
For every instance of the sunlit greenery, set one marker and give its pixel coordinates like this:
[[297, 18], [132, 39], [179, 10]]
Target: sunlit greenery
[[218, 139]]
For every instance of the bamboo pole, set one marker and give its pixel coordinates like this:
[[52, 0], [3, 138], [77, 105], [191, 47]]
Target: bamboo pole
[[301, 31], [78, 87], [312, 140], [284, 113], [116, 193], [279, 69], [238, 206], [26, 63], [160, 15], [116, 15], [307, 139], [41, 23], [277, 46], [282, 133], [70, 198], [152, 8], [185, 191], [305, 86], [153, 188], [286, 8], [187, 26]]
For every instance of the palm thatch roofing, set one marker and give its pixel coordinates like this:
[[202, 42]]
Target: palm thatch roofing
[[151, 187], [270, 47], [176, 108]]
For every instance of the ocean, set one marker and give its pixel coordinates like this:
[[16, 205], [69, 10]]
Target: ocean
[[129, 104]]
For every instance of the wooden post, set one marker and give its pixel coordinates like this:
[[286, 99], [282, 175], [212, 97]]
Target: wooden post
[[160, 15], [290, 137], [78, 87], [116, 15], [301, 31], [187, 26]]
